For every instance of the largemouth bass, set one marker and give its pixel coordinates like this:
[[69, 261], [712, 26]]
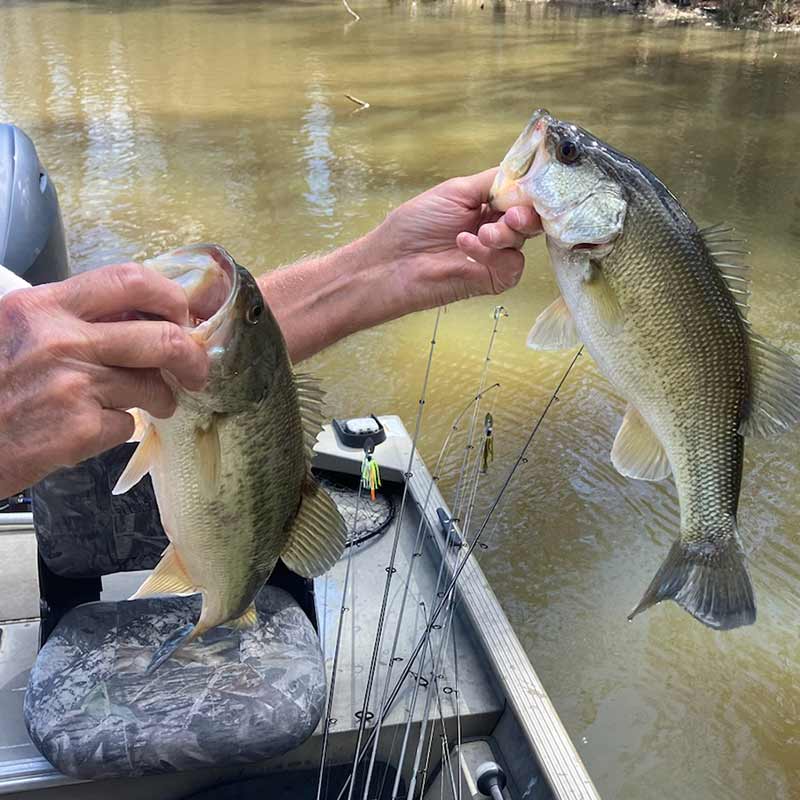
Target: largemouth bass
[[661, 307], [230, 468]]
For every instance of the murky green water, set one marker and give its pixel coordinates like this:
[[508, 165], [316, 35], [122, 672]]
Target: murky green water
[[164, 123]]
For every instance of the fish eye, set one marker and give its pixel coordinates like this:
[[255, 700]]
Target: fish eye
[[567, 151], [254, 313]]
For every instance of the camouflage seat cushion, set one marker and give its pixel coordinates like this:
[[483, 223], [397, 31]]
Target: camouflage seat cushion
[[229, 697]]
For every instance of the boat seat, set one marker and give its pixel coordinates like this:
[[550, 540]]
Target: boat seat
[[232, 697], [229, 697]]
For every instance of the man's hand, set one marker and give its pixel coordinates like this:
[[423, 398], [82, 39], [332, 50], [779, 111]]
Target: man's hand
[[441, 246], [450, 245], [72, 359]]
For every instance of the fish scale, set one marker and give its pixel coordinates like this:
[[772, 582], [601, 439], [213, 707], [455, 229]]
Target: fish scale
[[641, 289]]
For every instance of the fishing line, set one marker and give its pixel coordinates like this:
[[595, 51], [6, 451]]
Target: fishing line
[[416, 554], [521, 458], [390, 569]]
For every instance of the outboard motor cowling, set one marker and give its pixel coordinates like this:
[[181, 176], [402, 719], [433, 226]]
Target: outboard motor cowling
[[32, 241]]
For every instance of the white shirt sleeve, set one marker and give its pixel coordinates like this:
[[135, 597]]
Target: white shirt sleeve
[[9, 281]]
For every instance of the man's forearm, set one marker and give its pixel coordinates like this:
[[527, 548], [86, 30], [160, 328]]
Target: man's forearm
[[427, 252], [325, 298]]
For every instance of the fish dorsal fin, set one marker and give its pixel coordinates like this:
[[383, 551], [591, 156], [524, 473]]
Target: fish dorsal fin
[[141, 461], [310, 397], [318, 534], [727, 252], [169, 577], [599, 292], [554, 328], [774, 406], [637, 452], [209, 456]]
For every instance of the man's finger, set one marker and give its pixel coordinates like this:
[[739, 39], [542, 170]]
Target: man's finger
[[140, 388], [524, 220], [499, 236], [117, 427], [150, 344], [122, 288], [504, 266], [473, 190]]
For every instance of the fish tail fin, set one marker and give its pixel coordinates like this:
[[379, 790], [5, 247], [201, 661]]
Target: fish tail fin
[[713, 587], [177, 639]]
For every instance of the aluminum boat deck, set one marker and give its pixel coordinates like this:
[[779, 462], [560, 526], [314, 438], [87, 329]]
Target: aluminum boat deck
[[486, 697]]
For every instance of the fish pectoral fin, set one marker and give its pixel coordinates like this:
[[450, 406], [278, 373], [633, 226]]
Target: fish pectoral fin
[[247, 620], [318, 533], [209, 456], [602, 296], [141, 461], [554, 328], [141, 422], [774, 406], [637, 451], [169, 577], [713, 587]]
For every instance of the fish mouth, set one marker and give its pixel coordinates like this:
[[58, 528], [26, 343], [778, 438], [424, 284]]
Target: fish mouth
[[210, 279], [506, 191], [524, 179], [511, 184]]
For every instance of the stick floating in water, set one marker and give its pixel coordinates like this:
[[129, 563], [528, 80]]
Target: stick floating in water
[[363, 105]]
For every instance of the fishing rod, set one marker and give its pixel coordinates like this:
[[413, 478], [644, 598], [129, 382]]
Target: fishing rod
[[417, 544], [342, 611], [498, 314], [437, 666], [474, 403], [390, 569], [521, 459], [441, 656]]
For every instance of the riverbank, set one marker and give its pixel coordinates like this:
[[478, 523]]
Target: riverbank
[[772, 15]]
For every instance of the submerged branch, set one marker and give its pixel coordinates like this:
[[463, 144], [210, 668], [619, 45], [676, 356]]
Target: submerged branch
[[350, 11]]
